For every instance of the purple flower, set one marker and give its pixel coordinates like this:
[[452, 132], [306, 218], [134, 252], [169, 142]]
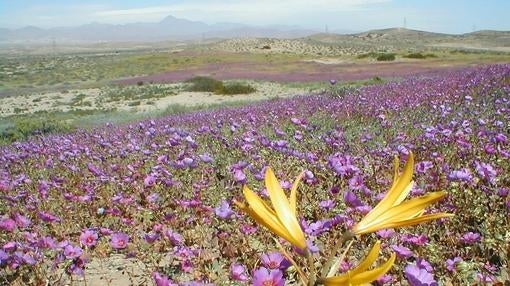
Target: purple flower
[[238, 272], [47, 242], [451, 263], [77, 266], [88, 238], [149, 180], [461, 175], [385, 233], [470, 237], [239, 176], [4, 257], [386, 278], [402, 251], [119, 240], [206, 158], [423, 166], [7, 224], [224, 211], [161, 280], [151, 237], [22, 221], [48, 217], [274, 260], [186, 265], [356, 183], [72, 252], [10, 246], [486, 171], [417, 276], [424, 264], [327, 204], [352, 200], [174, 237], [265, 277]]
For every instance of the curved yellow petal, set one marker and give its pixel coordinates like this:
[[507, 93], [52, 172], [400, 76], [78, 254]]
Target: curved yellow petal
[[276, 229], [282, 208], [263, 215], [404, 193], [372, 275], [256, 203], [369, 260], [293, 193], [416, 220], [263, 211], [403, 223], [395, 191], [408, 209], [351, 279]]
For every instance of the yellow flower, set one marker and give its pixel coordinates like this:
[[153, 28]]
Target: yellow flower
[[360, 275], [282, 220], [391, 212]]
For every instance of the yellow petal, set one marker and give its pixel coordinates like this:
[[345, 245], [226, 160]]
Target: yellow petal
[[395, 192], [372, 275], [408, 209], [348, 279], [416, 220], [263, 215], [404, 193], [282, 208], [275, 228], [293, 193], [263, 212], [369, 260], [256, 203]]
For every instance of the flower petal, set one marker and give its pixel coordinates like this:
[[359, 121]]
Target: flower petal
[[264, 216], [403, 211], [282, 208], [369, 260], [395, 192], [359, 278], [293, 193], [416, 220], [408, 209], [372, 275]]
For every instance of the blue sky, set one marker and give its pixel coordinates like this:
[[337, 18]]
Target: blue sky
[[453, 16]]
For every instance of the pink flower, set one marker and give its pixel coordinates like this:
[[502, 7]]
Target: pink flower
[[72, 252], [161, 280], [88, 238], [263, 277], [238, 272], [119, 240], [7, 224]]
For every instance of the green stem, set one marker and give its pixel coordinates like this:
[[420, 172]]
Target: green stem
[[346, 236], [311, 266]]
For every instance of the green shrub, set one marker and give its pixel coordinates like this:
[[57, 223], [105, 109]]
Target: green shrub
[[135, 103], [236, 88], [386, 57], [27, 127], [419, 56], [415, 56], [205, 84]]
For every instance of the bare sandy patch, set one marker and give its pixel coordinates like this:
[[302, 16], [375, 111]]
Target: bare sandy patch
[[94, 99]]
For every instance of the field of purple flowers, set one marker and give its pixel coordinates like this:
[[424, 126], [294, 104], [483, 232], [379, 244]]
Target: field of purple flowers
[[161, 190]]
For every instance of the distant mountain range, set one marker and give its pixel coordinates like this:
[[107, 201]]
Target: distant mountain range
[[176, 29], [170, 28]]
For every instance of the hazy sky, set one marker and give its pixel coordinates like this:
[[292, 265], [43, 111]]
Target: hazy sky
[[455, 16]]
